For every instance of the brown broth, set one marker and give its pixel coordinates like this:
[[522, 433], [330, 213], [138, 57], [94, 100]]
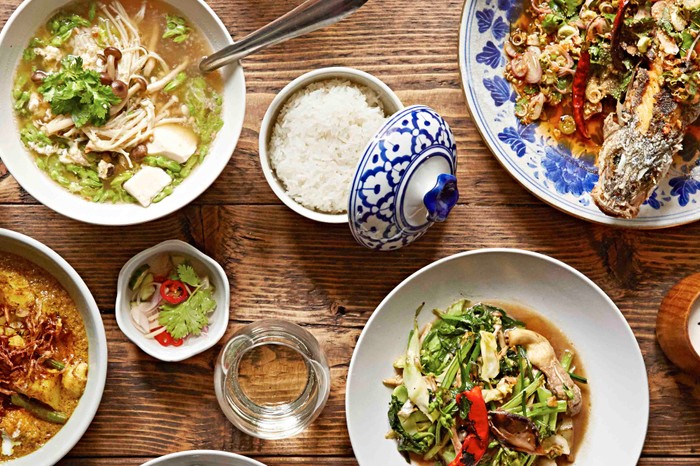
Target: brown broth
[[55, 300]]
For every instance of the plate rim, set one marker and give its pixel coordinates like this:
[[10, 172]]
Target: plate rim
[[632, 224], [639, 444], [185, 453]]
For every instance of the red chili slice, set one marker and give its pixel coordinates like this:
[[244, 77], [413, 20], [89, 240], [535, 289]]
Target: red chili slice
[[174, 291], [477, 425], [616, 35], [166, 339], [579, 91]]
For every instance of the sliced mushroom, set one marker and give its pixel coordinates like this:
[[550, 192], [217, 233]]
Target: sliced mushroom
[[38, 76], [541, 355], [516, 432], [139, 152]]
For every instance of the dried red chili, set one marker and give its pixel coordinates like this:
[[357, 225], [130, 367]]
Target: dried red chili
[[174, 291], [477, 426], [616, 35], [579, 91]]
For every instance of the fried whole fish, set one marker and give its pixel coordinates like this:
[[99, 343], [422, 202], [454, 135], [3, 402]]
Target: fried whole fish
[[638, 151]]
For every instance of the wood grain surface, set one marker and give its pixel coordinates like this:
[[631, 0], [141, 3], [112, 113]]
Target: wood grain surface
[[281, 265]]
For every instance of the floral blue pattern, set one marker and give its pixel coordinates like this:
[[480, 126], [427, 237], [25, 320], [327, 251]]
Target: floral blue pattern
[[562, 176], [500, 89], [684, 187], [570, 175], [653, 201], [491, 55], [484, 19], [517, 137], [382, 185]]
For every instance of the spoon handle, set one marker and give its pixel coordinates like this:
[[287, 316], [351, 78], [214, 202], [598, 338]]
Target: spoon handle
[[307, 17]]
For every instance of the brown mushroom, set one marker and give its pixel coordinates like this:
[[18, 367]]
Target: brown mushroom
[[141, 81], [113, 55], [120, 89], [106, 79], [139, 152], [516, 432], [39, 76]]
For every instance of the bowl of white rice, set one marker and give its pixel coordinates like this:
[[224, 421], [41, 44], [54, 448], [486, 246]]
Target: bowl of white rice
[[314, 133]]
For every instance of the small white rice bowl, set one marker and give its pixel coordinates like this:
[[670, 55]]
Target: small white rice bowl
[[318, 138]]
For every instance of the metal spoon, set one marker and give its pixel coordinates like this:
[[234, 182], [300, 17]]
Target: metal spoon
[[307, 17]]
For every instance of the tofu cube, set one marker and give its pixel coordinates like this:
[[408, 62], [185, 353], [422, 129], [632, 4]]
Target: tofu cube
[[147, 183], [173, 141]]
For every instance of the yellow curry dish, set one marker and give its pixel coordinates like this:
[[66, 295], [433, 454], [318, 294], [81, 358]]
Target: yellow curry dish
[[43, 357]]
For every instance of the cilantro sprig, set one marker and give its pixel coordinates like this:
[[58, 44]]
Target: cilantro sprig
[[176, 29], [79, 93], [192, 315]]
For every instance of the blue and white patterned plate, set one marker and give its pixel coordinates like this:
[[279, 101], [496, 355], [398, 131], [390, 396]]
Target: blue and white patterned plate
[[559, 175]]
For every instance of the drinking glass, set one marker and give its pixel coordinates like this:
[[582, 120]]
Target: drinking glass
[[272, 379]]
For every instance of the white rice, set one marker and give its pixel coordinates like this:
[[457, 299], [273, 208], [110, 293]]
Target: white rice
[[318, 140]]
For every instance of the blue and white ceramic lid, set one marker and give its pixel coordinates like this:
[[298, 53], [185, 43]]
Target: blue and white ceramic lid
[[405, 181]]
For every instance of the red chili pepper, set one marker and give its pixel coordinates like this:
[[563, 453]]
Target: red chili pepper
[[579, 91], [166, 339], [615, 36], [174, 291], [477, 426]]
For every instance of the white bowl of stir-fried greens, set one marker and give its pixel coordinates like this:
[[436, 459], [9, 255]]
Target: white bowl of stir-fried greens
[[497, 357], [43, 434], [108, 119]]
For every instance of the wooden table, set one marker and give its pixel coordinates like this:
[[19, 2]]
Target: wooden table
[[281, 265]]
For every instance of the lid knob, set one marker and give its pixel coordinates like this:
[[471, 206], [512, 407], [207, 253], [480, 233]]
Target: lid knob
[[442, 198]]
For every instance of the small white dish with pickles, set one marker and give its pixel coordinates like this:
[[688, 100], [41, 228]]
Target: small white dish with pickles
[[173, 301]]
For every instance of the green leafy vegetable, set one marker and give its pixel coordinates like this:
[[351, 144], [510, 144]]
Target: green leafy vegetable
[[175, 83], [162, 162], [204, 105], [415, 440], [618, 92], [568, 7], [187, 275], [29, 54], [78, 92], [687, 40], [21, 95], [62, 26], [553, 21], [32, 134], [188, 317], [600, 54], [176, 29]]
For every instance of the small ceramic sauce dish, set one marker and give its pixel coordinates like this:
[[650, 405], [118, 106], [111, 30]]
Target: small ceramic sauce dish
[[204, 266], [404, 180]]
